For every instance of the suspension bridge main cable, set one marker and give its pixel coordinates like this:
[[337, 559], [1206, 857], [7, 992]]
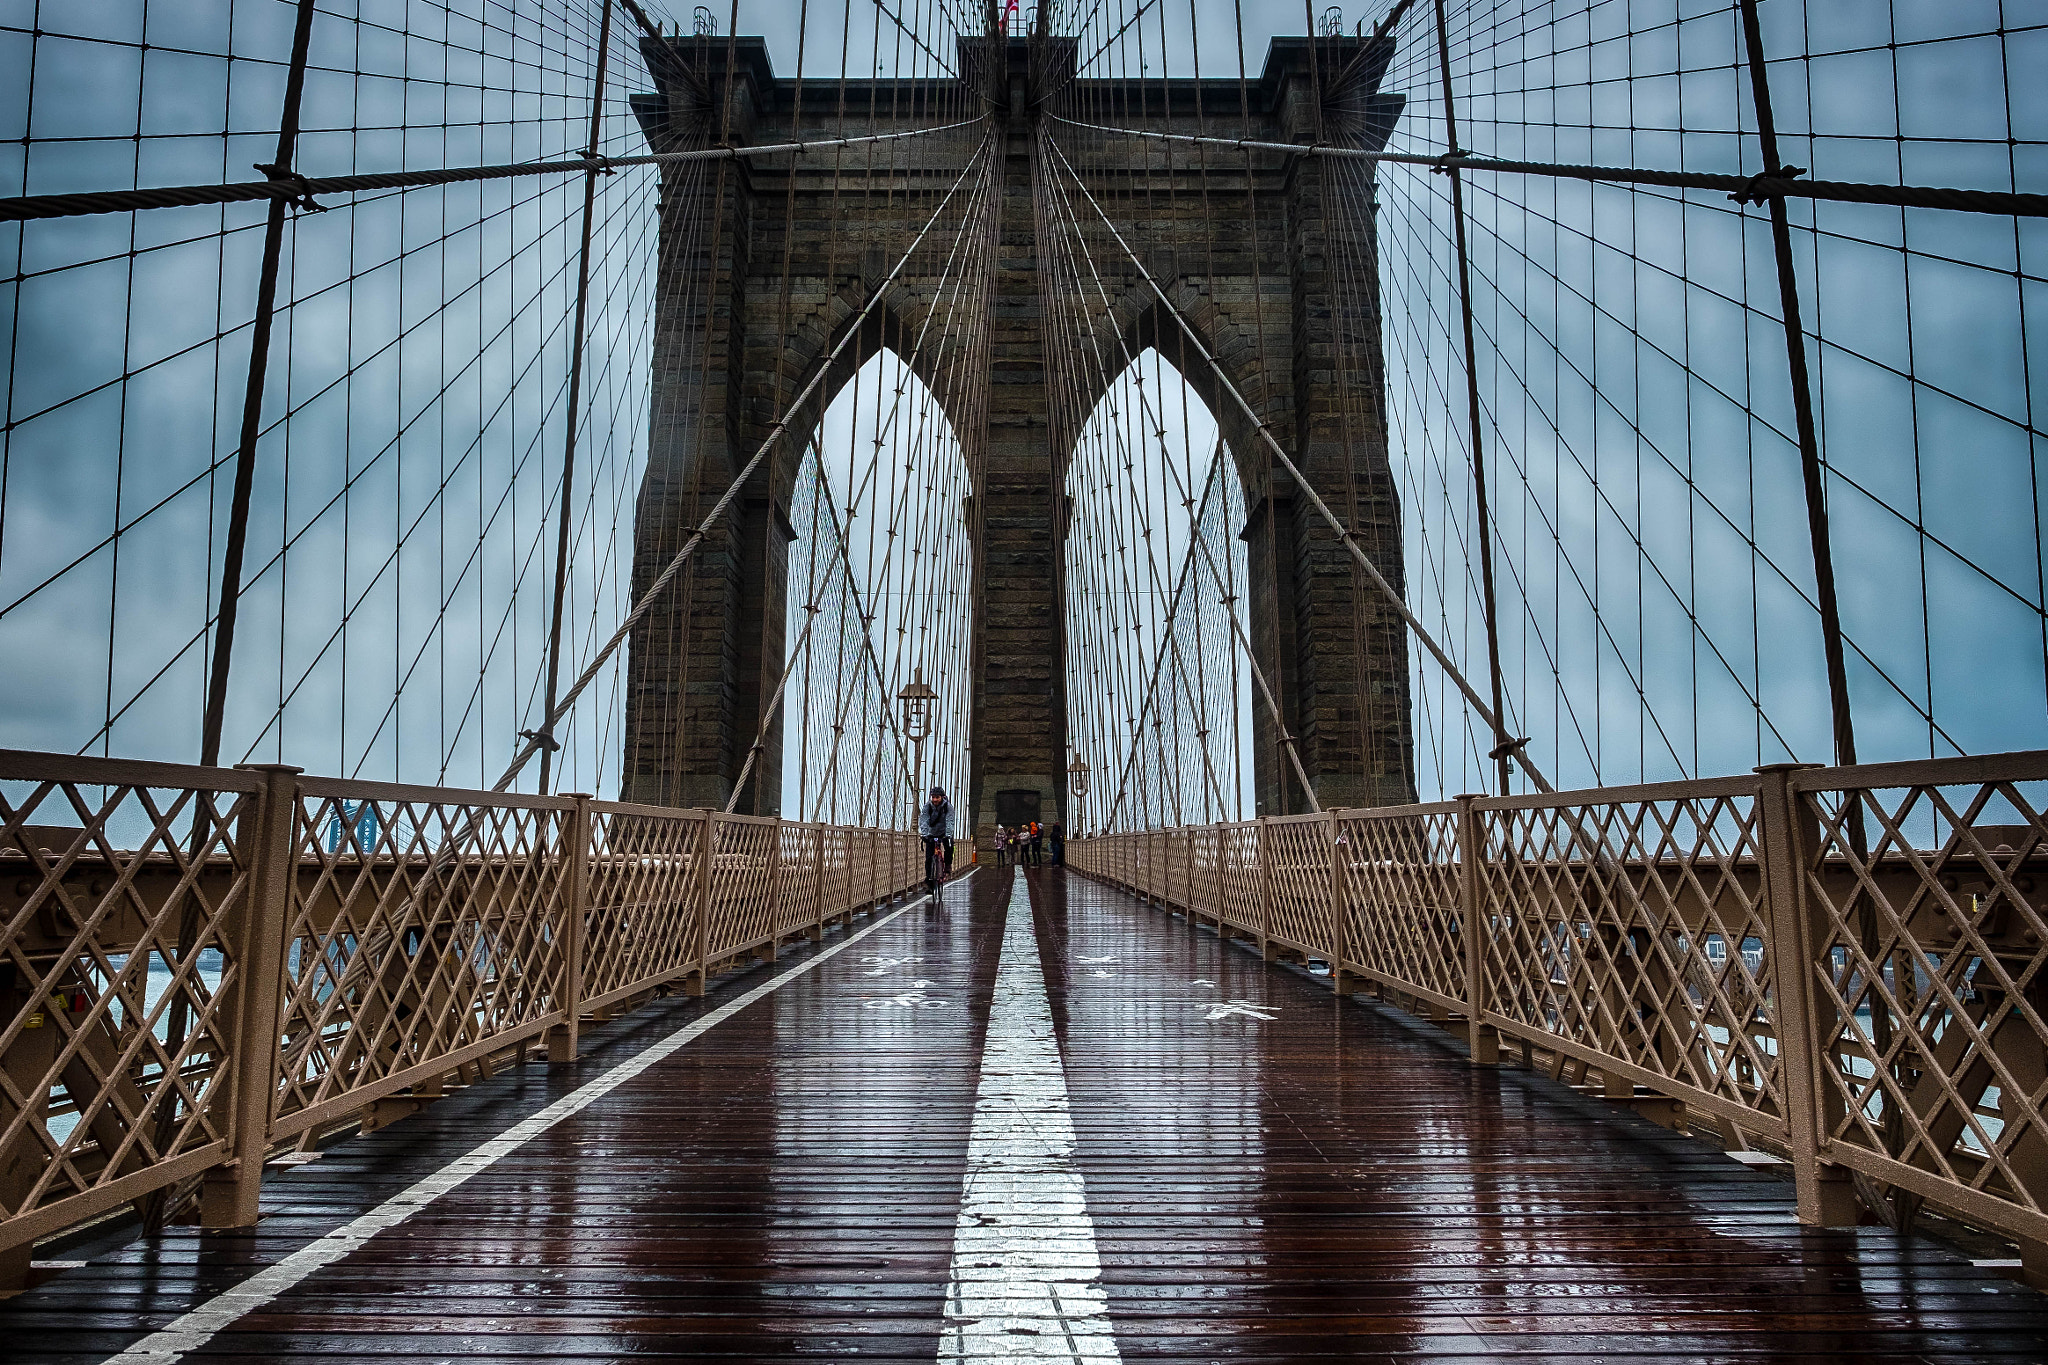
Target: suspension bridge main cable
[[301, 192], [1742, 189], [572, 404]]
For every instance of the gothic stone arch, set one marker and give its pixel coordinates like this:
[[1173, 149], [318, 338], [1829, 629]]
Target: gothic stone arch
[[1259, 285]]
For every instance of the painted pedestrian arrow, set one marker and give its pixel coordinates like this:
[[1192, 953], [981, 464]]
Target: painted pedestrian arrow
[[1243, 1007]]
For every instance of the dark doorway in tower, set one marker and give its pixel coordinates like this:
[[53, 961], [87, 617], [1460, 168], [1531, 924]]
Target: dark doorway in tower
[[1017, 806]]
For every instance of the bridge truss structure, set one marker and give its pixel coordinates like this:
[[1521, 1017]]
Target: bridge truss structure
[[1470, 396]]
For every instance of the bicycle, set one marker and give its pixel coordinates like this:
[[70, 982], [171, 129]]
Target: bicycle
[[938, 865]]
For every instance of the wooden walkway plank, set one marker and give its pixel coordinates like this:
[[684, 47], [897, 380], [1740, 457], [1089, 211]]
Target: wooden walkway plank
[[1269, 1174], [1279, 1175]]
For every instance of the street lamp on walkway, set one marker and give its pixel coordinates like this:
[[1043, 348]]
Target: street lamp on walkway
[[1077, 782], [917, 698]]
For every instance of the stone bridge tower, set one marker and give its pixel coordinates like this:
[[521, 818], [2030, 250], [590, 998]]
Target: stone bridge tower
[[1258, 278]]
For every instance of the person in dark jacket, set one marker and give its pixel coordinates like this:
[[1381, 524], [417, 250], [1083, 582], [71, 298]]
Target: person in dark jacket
[[935, 827], [1057, 837]]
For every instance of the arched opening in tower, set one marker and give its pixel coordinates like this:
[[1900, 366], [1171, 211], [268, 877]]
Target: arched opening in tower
[[879, 601], [1158, 679]]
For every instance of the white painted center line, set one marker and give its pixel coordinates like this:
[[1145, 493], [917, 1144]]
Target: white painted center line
[[195, 1328], [1027, 1281]]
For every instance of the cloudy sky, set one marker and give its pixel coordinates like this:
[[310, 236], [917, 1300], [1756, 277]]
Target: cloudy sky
[[1654, 553]]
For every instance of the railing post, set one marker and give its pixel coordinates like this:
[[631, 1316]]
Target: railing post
[[1483, 1038], [575, 893], [1826, 1195], [1265, 889], [1340, 909], [774, 871], [229, 1193], [707, 853], [811, 839]]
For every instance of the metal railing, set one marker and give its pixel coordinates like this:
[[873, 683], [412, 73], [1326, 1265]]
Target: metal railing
[[1846, 965], [200, 964]]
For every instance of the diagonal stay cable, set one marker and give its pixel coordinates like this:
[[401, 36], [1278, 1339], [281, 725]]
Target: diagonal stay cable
[[839, 539], [1060, 202], [1348, 537], [773, 439]]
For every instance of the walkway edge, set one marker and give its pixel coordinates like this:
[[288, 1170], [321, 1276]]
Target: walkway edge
[[195, 1327]]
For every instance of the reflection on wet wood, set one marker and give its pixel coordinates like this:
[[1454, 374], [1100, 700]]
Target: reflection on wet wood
[[1329, 1180], [1271, 1175]]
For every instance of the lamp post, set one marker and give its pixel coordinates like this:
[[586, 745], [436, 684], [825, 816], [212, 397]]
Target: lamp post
[[1077, 782], [917, 698]]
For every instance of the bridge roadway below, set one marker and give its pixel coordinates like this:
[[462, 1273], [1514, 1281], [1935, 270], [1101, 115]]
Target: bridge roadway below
[[1042, 1123]]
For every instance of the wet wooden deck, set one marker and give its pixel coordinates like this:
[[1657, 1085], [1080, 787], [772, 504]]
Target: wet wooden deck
[[1253, 1171]]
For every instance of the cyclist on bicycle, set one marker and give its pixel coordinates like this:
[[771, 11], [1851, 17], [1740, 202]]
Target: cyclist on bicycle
[[935, 826]]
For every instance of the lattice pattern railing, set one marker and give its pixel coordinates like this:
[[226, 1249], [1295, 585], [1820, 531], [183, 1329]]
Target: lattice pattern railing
[[1297, 869], [126, 889], [1632, 933], [423, 932], [1925, 893], [1399, 877], [1850, 965], [197, 964], [644, 921]]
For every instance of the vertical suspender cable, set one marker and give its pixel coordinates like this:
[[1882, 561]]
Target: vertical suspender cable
[[156, 1207], [1895, 1206], [551, 741], [1503, 744], [252, 398], [1802, 397]]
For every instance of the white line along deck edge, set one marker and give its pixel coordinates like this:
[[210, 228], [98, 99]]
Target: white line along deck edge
[[194, 1328]]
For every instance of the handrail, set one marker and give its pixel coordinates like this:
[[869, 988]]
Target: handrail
[[200, 964], [1847, 966]]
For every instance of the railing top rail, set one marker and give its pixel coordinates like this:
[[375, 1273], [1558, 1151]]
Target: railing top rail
[[1746, 785], [2026, 766], [29, 765], [694, 813], [349, 789], [1310, 819], [1425, 808], [647, 812], [730, 818]]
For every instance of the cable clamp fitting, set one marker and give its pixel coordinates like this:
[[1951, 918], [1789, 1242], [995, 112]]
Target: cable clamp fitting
[[302, 199], [1448, 162], [599, 165], [1508, 749], [542, 739], [1752, 191]]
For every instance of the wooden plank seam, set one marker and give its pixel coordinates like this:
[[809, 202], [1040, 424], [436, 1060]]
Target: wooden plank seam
[[193, 1329]]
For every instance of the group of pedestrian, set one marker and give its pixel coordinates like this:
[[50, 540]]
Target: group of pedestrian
[[1027, 844]]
